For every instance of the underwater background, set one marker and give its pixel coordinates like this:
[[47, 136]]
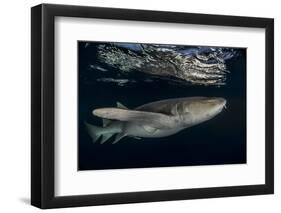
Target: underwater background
[[135, 74]]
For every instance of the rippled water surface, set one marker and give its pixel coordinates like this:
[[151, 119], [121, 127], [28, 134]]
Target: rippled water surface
[[186, 65]]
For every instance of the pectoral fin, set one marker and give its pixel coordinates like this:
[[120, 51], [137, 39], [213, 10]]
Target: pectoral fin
[[150, 129]]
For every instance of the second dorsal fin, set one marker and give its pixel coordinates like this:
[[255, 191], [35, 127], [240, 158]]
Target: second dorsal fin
[[121, 106]]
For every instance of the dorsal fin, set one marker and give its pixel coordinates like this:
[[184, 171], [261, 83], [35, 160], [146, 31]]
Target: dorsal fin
[[105, 122], [121, 106]]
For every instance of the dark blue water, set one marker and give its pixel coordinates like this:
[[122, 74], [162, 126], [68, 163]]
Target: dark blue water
[[221, 140]]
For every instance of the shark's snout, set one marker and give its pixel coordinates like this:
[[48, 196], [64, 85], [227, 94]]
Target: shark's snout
[[222, 101], [219, 104]]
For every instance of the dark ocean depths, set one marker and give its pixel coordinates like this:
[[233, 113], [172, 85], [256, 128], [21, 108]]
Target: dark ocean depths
[[136, 74]]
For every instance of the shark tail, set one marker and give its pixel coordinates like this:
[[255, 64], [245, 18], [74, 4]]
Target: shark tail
[[102, 133]]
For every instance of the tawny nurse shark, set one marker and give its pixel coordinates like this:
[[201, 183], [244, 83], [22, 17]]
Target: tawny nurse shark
[[154, 120]]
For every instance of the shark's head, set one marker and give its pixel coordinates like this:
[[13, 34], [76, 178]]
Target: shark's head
[[200, 109]]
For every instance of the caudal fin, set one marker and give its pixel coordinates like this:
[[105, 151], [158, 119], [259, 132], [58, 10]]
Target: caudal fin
[[96, 133]]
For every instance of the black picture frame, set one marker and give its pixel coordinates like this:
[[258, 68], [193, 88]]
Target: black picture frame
[[43, 111]]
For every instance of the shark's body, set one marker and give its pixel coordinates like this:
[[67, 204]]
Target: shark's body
[[154, 120]]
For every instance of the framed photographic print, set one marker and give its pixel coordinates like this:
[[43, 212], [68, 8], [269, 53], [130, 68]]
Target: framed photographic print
[[140, 106]]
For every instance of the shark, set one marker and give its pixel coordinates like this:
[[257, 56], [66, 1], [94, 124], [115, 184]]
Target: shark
[[153, 120]]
